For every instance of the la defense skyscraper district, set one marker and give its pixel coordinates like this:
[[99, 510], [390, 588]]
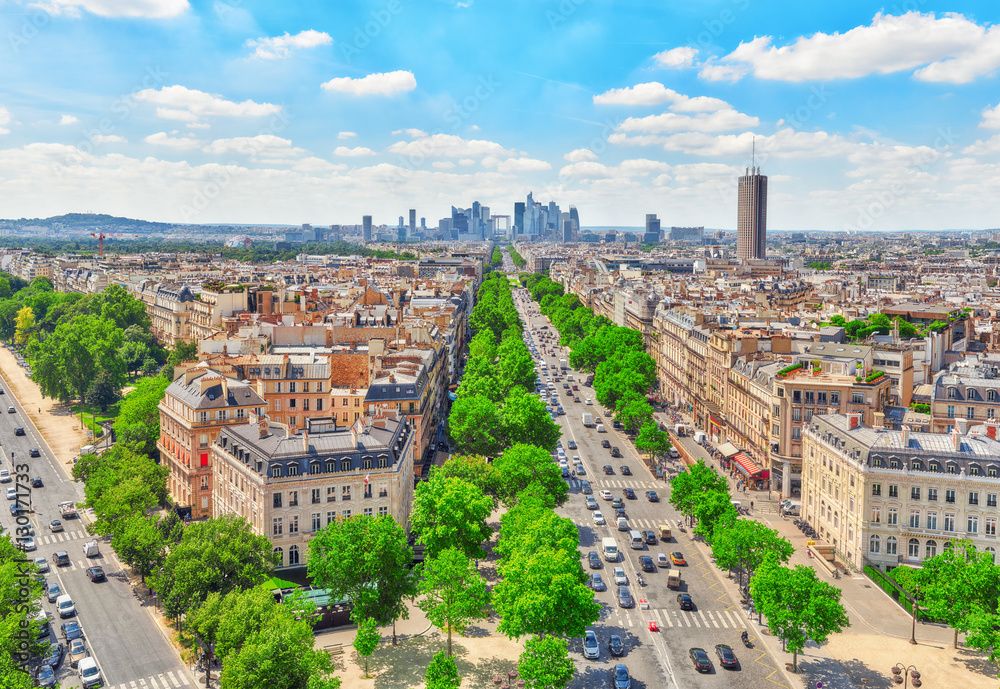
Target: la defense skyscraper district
[[751, 222]]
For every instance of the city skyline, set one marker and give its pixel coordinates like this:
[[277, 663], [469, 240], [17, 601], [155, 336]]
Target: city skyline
[[240, 112]]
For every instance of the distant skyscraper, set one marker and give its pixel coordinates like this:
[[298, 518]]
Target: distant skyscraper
[[652, 229], [366, 231], [567, 231], [413, 220], [751, 222], [575, 217], [519, 216], [687, 234]]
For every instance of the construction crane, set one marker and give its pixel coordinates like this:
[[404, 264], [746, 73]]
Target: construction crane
[[101, 235]]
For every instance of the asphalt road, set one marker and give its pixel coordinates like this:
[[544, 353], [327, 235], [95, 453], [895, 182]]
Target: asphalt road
[[128, 645], [660, 658]]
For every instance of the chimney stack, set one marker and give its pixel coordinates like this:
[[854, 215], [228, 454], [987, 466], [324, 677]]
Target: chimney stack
[[906, 436], [853, 420], [956, 440], [991, 429]]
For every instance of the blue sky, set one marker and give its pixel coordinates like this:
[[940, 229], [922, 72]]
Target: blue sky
[[865, 116]]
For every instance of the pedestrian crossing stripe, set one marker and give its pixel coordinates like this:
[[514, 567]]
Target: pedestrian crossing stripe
[[717, 619], [61, 537], [166, 680]]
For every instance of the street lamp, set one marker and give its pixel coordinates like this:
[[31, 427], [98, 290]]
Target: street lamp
[[913, 628], [901, 674]]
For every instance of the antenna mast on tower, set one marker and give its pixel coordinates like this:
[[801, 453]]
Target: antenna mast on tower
[[753, 154]]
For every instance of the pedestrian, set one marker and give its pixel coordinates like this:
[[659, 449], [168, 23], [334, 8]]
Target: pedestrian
[[751, 504]]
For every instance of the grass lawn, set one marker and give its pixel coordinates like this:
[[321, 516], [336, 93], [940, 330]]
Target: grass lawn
[[93, 416]]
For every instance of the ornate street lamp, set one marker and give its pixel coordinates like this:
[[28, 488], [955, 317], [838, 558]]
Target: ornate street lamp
[[902, 674]]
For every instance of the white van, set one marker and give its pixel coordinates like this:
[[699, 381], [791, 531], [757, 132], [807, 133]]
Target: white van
[[636, 541], [622, 524], [736, 504], [610, 549], [600, 428], [64, 606], [90, 674]]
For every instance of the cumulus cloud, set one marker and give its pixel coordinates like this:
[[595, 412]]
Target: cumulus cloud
[[655, 93], [182, 103], [991, 118], [346, 135], [626, 170], [132, 9], [179, 142], [949, 48], [255, 147], [443, 165], [273, 48], [579, 155], [785, 143], [720, 121], [412, 132], [4, 120], [381, 84], [449, 146], [522, 164], [356, 152], [109, 139], [676, 58], [68, 119]]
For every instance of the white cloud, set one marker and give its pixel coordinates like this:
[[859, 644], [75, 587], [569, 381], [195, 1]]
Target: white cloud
[[381, 84], [180, 143], [579, 155], [4, 120], [411, 132], [198, 125], [346, 135], [712, 71], [443, 165], [68, 119], [676, 58], [109, 139], [988, 147], [991, 118], [357, 152], [448, 146], [655, 93], [587, 169], [720, 121], [624, 171], [785, 143], [187, 104], [516, 164], [134, 9], [282, 46], [949, 48], [255, 147], [466, 162]]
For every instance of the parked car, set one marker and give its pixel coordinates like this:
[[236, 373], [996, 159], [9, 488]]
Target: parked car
[[77, 652], [42, 564], [596, 582], [52, 591], [71, 630], [595, 559]]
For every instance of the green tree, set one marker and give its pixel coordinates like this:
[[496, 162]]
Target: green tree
[[214, 556], [102, 391], [451, 513], [634, 413], [745, 543], [479, 380], [545, 663], [140, 543], [118, 305], [133, 355], [138, 420], [798, 606], [688, 486], [453, 592], [652, 440], [182, 351], [472, 469], [25, 326], [474, 427], [20, 599], [713, 509], [365, 560], [531, 525], [524, 420], [523, 465], [957, 583], [122, 484], [442, 673], [366, 640], [484, 345]]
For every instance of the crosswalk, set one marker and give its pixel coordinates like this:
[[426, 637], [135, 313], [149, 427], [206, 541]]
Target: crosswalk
[[166, 680], [706, 619], [61, 537], [601, 483], [637, 524]]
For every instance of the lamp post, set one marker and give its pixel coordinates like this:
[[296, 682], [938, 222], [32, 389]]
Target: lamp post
[[913, 627], [901, 674]]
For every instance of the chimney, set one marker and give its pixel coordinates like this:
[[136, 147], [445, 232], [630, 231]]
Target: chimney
[[906, 436], [305, 440], [853, 420], [991, 429], [262, 428], [956, 439], [962, 426]]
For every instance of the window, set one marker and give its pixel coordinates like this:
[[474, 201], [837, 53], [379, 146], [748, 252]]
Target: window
[[293, 498], [315, 496], [345, 514], [366, 463], [913, 548], [293, 469], [277, 386], [972, 524], [952, 394], [319, 404], [809, 415], [331, 466], [991, 526], [949, 522], [345, 465], [357, 401], [932, 494], [292, 387], [973, 470], [383, 511], [203, 439], [204, 482], [915, 493], [991, 499], [892, 517], [914, 519], [821, 398], [973, 497], [276, 526], [331, 494], [316, 521], [331, 517], [776, 410], [305, 386], [277, 499], [305, 404], [796, 433], [345, 493], [952, 469], [951, 411], [277, 405], [314, 467], [857, 398], [319, 386], [835, 399], [932, 520], [890, 545], [876, 515], [368, 512], [873, 544], [893, 491], [893, 463], [949, 496], [992, 552], [292, 404], [991, 413], [293, 555], [931, 549], [345, 401], [810, 397], [281, 557], [383, 462], [383, 492], [796, 397], [797, 414], [876, 490], [293, 524]]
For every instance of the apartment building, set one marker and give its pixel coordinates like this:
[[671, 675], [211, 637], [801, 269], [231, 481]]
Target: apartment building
[[967, 392], [215, 302], [169, 309], [889, 498], [194, 408], [290, 485], [296, 386]]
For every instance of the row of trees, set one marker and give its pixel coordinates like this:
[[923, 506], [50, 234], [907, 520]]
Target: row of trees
[[496, 260], [881, 324], [623, 371], [797, 605], [20, 600], [517, 258]]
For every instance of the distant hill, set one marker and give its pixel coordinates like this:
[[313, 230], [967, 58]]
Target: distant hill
[[101, 221]]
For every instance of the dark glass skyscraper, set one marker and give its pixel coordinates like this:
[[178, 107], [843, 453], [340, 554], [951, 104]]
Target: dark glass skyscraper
[[751, 221]]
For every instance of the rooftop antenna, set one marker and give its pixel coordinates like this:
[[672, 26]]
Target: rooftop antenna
[[753, 153]]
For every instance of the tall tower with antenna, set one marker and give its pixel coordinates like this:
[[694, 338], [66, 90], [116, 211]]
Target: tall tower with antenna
[[751, 220]]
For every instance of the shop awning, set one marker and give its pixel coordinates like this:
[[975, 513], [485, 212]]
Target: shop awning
[[727, 450], [747, 465]]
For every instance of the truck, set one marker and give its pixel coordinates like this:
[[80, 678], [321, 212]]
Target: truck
[[67, 510], [563, 365], [664, 532], [588, 419], [91, 549], [673, 579]]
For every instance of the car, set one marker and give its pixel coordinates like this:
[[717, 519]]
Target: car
[[620, 577], [1, 391], [678, 558], [615, 452], [90, 674], [565, 386], [18, 431], [624, 598], [650, 537], [5, 476], [12, 494], [617, 502], [702, 663], [684, 601], [46, 676], [55, 525], [605, 443], [591, 649], [646, 562], [599, 519], [626, 471], [662, 560], [652, 496], [576, 399], [576, 388], [591, 503], [621, 678], [28, 544], [15, 509], [60, 558], [52, 591], [580, 471], [571, 444], [620, 513], [609, 470], [33, 452], [77, 652], [590, 401], [96, 574], [71, 630], [595, 559], [36, 482], [596, 581], [629, 494], [558, 444], [726, 656], [606, 495], [615, 645], [42, 564], [11, 410], [586, 488], [54, 656]]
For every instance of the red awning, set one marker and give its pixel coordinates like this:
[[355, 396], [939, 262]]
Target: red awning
[[746, 465]]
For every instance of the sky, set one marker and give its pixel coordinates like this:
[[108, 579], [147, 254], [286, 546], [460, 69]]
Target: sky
[[864, 116]]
